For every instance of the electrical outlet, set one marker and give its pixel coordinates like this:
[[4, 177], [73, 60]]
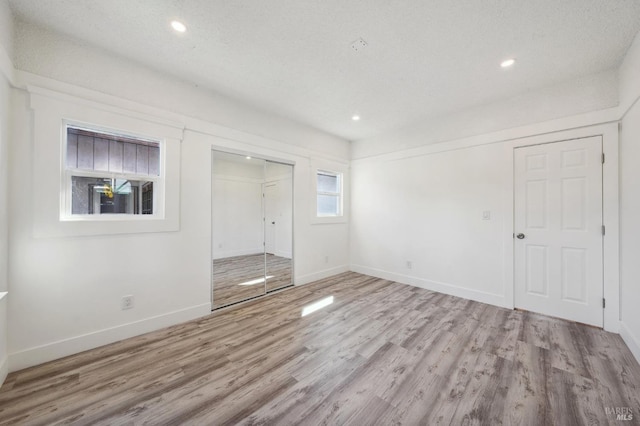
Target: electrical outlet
[[127, 302], [486, 215], [326, 259], [409, 264], [359, 44]]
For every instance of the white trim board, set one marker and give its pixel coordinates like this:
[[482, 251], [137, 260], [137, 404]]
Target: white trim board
[[632, 342], [320, 275], [59, 90], [285, 254], [440, 287], [74, 345], [223, 254], [120, 108], [575, 123]]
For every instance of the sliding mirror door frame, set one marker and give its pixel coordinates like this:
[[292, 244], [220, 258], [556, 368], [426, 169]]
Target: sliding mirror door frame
[[278, 211], [221, 271], [237, 228]]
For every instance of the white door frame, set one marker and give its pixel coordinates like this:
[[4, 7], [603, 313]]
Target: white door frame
[[610, 217]]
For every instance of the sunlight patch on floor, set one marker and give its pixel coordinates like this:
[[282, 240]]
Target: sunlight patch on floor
[[317, 305]]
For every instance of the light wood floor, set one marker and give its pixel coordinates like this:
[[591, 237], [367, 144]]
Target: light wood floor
[[381, 353], [230, 272]]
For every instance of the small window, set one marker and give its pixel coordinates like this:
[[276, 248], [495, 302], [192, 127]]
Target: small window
[[110, 174], [329, 192]]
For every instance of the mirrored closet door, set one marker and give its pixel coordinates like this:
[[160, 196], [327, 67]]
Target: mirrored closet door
[[252, 227], [278, 219]]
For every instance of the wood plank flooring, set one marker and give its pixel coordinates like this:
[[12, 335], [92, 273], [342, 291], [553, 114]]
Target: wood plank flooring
[[238, 278], [381, 353]]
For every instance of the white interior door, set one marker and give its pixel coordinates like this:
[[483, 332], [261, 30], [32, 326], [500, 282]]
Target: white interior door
[[558, 229], [270, 216]]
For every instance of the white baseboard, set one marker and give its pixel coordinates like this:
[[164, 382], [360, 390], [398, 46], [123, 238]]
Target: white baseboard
[[285, 254], [305, 279], [74, 345], [222, 254], [478, 296], [247, 252], [4, 370], [633, 342]]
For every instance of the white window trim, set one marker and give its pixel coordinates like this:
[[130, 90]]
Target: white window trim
[[51, 111], [67, 173], [339, 194], [334, 169]]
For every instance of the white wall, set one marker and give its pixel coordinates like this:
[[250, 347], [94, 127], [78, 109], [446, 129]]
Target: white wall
[[425, 206], [630, 199], [65, 291], [6, 71], [427, 210], [566, 99], [63, 298], [419, 193]]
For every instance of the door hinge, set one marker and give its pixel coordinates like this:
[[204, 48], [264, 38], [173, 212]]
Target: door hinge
[[604, 302], [603, 230], [603, 158]]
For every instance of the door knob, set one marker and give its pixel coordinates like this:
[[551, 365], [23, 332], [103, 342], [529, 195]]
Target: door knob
[[520, 236], [273, 223]]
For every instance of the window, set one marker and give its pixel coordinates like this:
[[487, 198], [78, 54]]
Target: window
[[69, 135], [110, 174], [329, 194]]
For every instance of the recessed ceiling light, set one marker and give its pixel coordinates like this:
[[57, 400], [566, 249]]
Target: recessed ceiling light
[[507, 63], [178, 26], [355, 117], [248, 157]]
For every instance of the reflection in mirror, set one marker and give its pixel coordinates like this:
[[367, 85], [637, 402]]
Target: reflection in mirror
[[237, 226], [278, 211]]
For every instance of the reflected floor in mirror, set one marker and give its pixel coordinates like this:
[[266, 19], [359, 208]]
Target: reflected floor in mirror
[[349, 349], [242, 277]]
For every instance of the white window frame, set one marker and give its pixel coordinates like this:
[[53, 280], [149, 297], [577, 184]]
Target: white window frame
[[51, 110], [67, 174], [339, 194]]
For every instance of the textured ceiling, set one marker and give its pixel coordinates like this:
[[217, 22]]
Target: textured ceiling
[[293, 57]]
